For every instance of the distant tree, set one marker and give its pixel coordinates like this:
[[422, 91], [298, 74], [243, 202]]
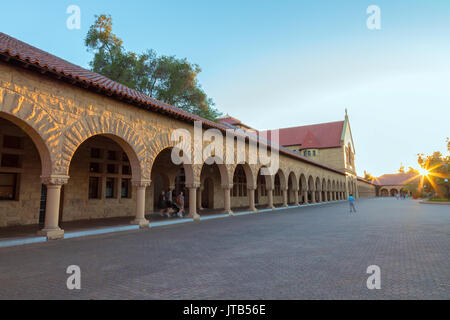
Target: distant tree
[[438, 167], [168, 79], [368, 176], [412, 170], [402, 168]]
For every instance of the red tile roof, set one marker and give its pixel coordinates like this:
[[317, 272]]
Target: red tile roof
[[17, 52], [322, 135], [229, 120], [395, 179]]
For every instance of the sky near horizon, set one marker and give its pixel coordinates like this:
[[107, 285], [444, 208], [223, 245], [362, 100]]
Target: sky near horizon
[[276, 64]]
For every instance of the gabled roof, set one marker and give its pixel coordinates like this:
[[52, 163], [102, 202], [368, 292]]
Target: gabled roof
[[322, 135], [394, 179], [229, 120], [233, 122]]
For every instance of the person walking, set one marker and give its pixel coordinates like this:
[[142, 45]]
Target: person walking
[[351, 201]]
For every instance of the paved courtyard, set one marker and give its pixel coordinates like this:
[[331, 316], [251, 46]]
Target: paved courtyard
[[317, 252]]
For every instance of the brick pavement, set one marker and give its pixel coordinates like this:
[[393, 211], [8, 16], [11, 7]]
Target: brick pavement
[[304, 253]]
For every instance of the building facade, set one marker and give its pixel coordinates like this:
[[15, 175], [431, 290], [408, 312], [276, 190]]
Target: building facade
[[391, 185], [75, 145]]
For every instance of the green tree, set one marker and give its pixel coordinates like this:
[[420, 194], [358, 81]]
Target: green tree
[[168, 79], [438, 167], [368, 176]]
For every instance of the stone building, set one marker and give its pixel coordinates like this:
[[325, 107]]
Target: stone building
[[391, 185], [75, 145]]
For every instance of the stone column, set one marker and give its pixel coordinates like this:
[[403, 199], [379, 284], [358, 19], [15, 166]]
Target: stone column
[[140, 203], [199, 198], [51, 227], [305, 195], [296, 197], [270, 198], [193, 202], [227, 199], [285, 197], [251, 199], [313, 196], [320, 196]]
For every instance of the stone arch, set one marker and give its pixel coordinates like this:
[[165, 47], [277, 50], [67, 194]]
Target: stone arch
[[269, 179], [249, 175], [311, 185], [293, 178], [302, 183], [192, 172], [393, 192], [283, 180], [115, 129], [38, 140], [225, 178], [318, 184]]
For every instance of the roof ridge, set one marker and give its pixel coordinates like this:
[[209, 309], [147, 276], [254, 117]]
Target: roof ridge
[[310, 125]]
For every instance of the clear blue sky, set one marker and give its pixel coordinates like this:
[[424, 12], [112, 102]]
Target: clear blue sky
[[277, 64]]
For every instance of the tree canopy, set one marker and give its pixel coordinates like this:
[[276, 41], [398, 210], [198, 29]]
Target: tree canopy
[[438, 173], [165, 78]]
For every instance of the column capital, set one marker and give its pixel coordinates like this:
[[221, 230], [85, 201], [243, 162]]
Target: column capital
[[251, 188], [57, 180], [141, 183], [227, 186], [193, 185]]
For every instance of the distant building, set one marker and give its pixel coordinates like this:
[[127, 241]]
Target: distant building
[[390, 185], [330, 144]]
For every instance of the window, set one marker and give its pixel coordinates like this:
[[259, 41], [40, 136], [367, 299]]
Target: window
[[96, 153], [314, 153], [10, 160], [110, 184], [126, 170], [239, 183], [309, 153], [109, 175], [12, 142], [125, 188], [94, 167], [111, 168], [94, 188], [8, 184], [304, 153], [112, 155]]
